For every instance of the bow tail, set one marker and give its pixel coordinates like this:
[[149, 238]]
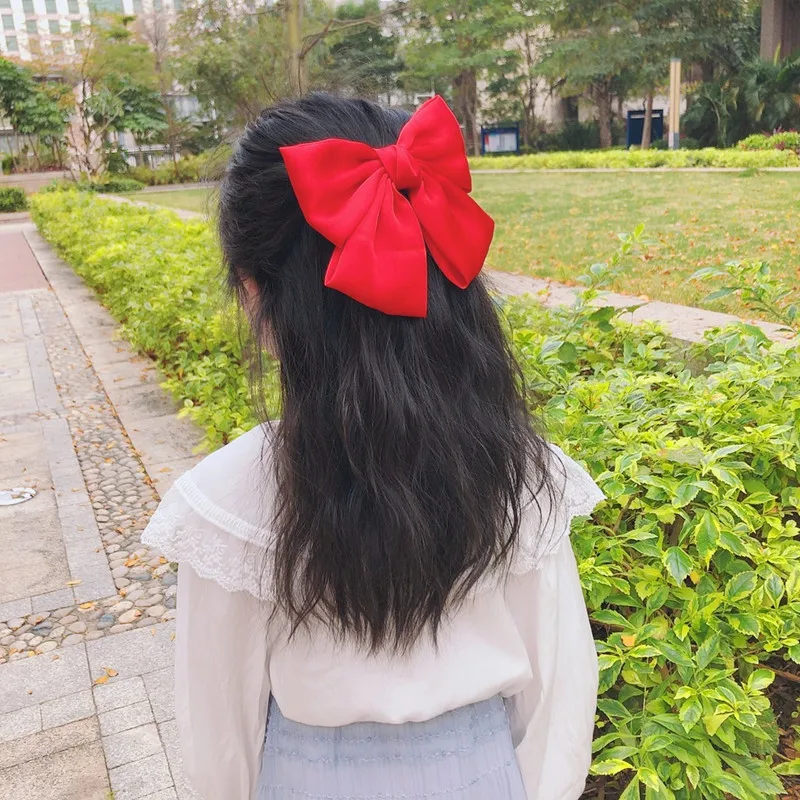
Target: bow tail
[[457, 231], [382, 263]]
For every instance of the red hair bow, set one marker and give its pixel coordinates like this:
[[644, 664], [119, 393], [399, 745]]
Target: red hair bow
[[350, 193]]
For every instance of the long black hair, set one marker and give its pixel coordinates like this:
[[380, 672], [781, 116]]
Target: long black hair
[[405, 451]]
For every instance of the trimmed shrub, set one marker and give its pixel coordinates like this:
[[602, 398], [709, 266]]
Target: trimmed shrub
[[12, 198], [784, 140], [649, 159], [691, 568]]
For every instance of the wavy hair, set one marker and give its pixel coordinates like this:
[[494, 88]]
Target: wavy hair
[[405, 450]]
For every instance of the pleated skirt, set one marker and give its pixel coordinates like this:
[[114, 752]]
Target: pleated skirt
[[466, 754]]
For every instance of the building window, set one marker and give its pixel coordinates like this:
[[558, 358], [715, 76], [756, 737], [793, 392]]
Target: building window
[[138, 8], [34, 46], [79, 45], [50, 6], [177, 5], [5, 3], [76, 27], [11, 44], [8, 22], [27, 7], [32, 27], [73, 7], [55, 28], [58, 47]]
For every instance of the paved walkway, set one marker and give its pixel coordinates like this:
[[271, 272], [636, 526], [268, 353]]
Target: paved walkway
[[86, 612]]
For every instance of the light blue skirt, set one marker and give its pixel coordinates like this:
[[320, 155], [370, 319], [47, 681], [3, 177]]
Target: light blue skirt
[[464, 754]]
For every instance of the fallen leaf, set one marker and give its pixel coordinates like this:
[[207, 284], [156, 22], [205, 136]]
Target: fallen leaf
[[101, 680], [74, 583], [86, 606], [165, 469], [30, 691], [112, 673]]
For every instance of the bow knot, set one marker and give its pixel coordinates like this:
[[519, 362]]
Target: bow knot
[[400, 166], [351, 194]]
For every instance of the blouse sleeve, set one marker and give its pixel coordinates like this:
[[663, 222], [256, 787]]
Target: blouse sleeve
[[552, 718], [221, 687]]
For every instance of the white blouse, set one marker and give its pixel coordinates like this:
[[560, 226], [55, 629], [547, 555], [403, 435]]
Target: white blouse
[[527, 638]]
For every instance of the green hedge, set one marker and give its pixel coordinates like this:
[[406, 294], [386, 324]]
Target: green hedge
[[12, 198], [628, 159], [691, 568], [189, 169], [772, 141]]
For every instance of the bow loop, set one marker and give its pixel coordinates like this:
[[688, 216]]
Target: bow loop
[[351, 194]]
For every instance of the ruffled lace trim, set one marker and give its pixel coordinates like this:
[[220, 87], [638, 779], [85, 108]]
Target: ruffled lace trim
[[219, 546]]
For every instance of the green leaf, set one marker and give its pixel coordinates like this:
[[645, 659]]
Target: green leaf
[[612, 766], [613, 708], [727, 477], [789, 767], [760, 679], [690, 713], [720, 293], [568, 353], [746, 623], [708, 650], [678, 564], [631, 791], [685, 493], [732, 543], [713, 722], [674, 654], [657, 599], [741, 585], [728, 783], [759, 499], [707, 532], [773, 586]]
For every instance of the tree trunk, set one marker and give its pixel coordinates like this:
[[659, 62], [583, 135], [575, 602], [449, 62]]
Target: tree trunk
[[294, 24], [602, 97], [466, 101], [647, 129]]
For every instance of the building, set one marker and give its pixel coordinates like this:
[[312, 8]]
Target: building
[[55, 28]]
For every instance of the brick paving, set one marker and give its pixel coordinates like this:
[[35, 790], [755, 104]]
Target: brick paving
[[86, 630]]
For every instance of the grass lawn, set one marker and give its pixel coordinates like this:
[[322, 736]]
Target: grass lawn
[[191, 199], [556, 224]]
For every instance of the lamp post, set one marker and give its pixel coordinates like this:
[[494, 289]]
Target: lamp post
[[674, 103]]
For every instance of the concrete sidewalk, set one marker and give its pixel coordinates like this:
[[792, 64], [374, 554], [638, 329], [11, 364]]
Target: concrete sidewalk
[[86, 612]]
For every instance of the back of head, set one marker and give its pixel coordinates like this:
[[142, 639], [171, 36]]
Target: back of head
[[405, 446]]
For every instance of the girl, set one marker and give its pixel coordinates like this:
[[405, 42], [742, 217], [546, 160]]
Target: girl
[[377, 594]]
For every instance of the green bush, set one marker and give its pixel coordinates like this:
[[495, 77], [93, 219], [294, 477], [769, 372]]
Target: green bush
[[189, 169], [653, 158], [112, 184], [691, 568], [785, 140], [12, 199]]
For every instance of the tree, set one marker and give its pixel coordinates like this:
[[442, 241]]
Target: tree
[[515, 81], [233, 61], [37, 111], [115, 92], [458, 42], [362, 59], [589, 55], [154, 31]]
